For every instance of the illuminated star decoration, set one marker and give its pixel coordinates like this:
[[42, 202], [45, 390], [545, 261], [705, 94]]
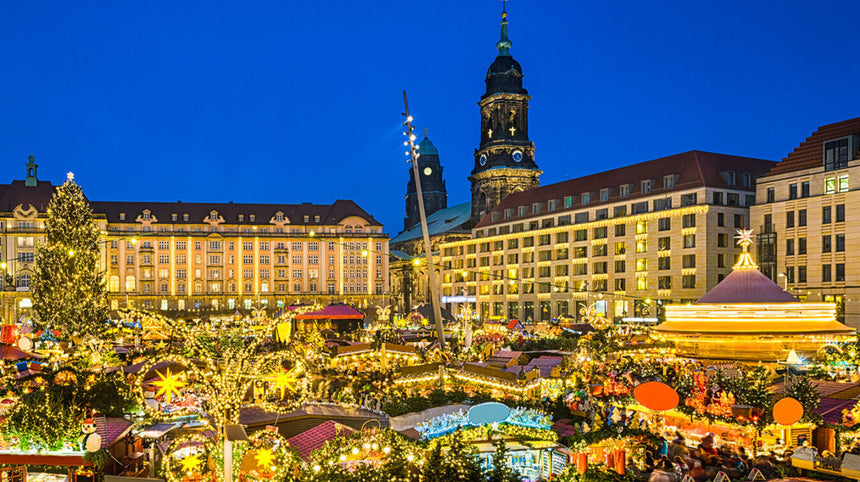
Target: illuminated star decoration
[[168, 384], [744, 237], [191, 463], [284, 381], [70, 176], [265, 459]]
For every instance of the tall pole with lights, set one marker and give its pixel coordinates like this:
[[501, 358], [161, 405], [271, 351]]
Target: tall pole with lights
[[428, 250]]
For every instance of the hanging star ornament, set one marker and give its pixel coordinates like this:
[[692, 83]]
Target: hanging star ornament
[[284, 380], [168, 384], [265, 459], [191, 463]]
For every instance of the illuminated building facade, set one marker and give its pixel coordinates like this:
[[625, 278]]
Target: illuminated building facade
[[632, 239], [807, 219], [208, 256]]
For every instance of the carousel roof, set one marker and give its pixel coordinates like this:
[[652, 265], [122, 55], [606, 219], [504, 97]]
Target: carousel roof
[[747, 286]]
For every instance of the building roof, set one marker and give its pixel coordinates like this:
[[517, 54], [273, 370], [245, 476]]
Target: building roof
[[691, 170], [451, 220], [810, 153], [263, 213], [747, 286], [310, 440], [17, 193]]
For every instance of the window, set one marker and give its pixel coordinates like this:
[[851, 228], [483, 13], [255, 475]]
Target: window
[[739, 220], [730, 178], [578, 235], [181, 259], [639, 208], [826, 273], [624, 190], [264, 259], [789, 219], [688, 261], [580, 218], [599, 233], [826, 214], [838, 152], [114, 259], [586, 198], [840, 213], [718, 198], [668, 182], [580, 269], [619, 284], [801, 217], [840, 243], [792, 191], [536, 208], [620, 248], [840, 272], [689, 240], [619, 211], [598, 268], [641, 264], [180, 274], [825, 243], [664, 244], [578, 252], [689, 221], [620, 266], [620, 229], [664, 263], [641, 227], [688, 281], [801, 246], [801, 274], [642, 283], [721, 219], [641, 245], [721, 260], [771, 195], [722, 240], [664, 224], [733, 199], [180, 245], [599, 250], [688, 199], [604, 194], [664, 283], [747, 179], [789, 274], [804, 189], [568, 202], [662, 204], [646, 186]]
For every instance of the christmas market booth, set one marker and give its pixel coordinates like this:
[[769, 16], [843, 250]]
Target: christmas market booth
[[749, 317], [532, 447], [336, 319]]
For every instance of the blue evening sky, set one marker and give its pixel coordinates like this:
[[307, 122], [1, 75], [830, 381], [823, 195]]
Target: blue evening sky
[[292, 101]]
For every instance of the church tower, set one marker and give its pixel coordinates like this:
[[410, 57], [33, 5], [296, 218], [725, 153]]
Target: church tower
[[432, 184], [504, 161]]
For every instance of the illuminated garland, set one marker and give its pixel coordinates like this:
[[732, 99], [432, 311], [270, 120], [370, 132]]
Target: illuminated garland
[[190, 457]]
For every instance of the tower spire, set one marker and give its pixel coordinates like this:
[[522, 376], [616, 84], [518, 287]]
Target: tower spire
[[504, 43]]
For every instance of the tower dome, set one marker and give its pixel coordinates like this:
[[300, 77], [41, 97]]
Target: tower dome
[[505, 74]]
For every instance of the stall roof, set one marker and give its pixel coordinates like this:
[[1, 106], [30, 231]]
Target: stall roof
[[156, 431], [310, 440], [333, 312]]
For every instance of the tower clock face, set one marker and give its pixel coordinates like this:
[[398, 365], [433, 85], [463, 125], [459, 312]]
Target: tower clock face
[[518, 156], [428, 171], [483, 159]]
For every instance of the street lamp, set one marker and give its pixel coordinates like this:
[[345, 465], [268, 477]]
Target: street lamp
[[785, 282]]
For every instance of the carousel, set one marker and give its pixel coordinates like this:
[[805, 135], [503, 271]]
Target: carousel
[[749, 317]]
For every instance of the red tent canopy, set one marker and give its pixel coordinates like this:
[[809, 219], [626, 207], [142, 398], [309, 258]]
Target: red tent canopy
[[332, 312]]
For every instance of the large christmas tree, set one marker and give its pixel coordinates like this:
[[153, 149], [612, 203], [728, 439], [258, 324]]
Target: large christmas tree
[[68, 288]]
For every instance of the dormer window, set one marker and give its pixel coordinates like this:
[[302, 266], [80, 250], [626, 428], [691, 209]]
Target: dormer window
[[174, 217], [838, 152], [646, 186], [550, 205], [185, 217], [122, 216], [568, 202], [536, 208], [279, 216], [604, 194], [747, 179], [213, 215], [521, 211], [306, 218], [508, 213], [316, 218], [241, 218], [668, 182], [730, 178], [146, 215], [586, 198], [624, 190], [252, 217]]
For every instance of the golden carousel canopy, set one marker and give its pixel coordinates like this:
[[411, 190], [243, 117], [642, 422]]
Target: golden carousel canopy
[[748, 316]]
